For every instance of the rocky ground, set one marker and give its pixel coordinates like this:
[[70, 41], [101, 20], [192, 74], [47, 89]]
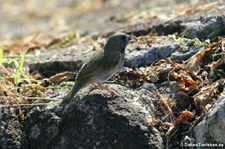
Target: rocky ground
[[171, 85]]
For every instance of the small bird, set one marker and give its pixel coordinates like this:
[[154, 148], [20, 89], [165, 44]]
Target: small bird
[[102, 65]]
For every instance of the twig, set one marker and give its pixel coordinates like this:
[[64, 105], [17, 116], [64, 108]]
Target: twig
[[26, 104]]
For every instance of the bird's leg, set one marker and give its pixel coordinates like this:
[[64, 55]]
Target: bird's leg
[[112, 92]]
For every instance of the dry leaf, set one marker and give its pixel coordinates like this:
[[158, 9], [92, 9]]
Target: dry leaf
[[61, 77], [167, 103], [193, 62], [186, 82], [206, 95]]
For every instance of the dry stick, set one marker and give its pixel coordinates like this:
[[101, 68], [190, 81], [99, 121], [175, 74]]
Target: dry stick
[[38, 98], [33, 104], [42, 98]]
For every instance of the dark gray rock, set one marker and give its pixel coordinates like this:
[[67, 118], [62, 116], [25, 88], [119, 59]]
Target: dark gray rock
[[11, 133], [72, 58], [142, 56], [59, 60], [182, 55], [96, 120], [204, 26]]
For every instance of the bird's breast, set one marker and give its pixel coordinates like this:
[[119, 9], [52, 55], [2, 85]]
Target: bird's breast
[[105, 75]]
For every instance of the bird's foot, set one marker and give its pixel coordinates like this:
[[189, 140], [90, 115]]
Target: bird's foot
[[113, 93], [95, 86]]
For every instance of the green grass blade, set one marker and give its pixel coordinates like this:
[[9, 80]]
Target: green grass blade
[[22, 58]]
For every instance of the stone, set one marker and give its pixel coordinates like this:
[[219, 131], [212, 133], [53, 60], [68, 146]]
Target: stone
[[211, 128]]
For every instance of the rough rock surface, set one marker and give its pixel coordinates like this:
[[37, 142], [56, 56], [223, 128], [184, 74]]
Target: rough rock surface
[[142, 56], [11, 134], [211, 128], [96, 120], [193, 25], [54, 61]]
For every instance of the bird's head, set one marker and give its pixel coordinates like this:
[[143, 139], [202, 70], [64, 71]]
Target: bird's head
[[118, 41]]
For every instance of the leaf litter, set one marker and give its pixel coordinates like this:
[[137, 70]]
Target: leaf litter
[[200, 80]]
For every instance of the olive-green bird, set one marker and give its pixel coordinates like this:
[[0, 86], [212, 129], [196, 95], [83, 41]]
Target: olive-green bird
[[102, 65]]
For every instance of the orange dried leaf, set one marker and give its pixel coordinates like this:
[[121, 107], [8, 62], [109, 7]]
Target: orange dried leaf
[[154, 122], [61, 77], [184, 117], [39, 87], [9, 81], [187, 83]]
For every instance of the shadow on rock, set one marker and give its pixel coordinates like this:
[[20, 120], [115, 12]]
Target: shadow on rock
[[94, 121]]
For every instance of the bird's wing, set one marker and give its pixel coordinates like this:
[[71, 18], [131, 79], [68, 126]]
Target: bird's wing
[[99, 63]]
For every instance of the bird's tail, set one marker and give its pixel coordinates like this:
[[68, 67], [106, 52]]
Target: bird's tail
[[72, 93]]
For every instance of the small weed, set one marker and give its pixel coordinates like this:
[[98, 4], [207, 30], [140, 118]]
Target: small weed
[[15, 81]]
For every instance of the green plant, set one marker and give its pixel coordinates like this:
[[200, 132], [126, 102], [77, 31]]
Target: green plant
[[19, 75]]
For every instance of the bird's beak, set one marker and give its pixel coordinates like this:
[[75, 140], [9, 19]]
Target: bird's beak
[[130, 36]]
